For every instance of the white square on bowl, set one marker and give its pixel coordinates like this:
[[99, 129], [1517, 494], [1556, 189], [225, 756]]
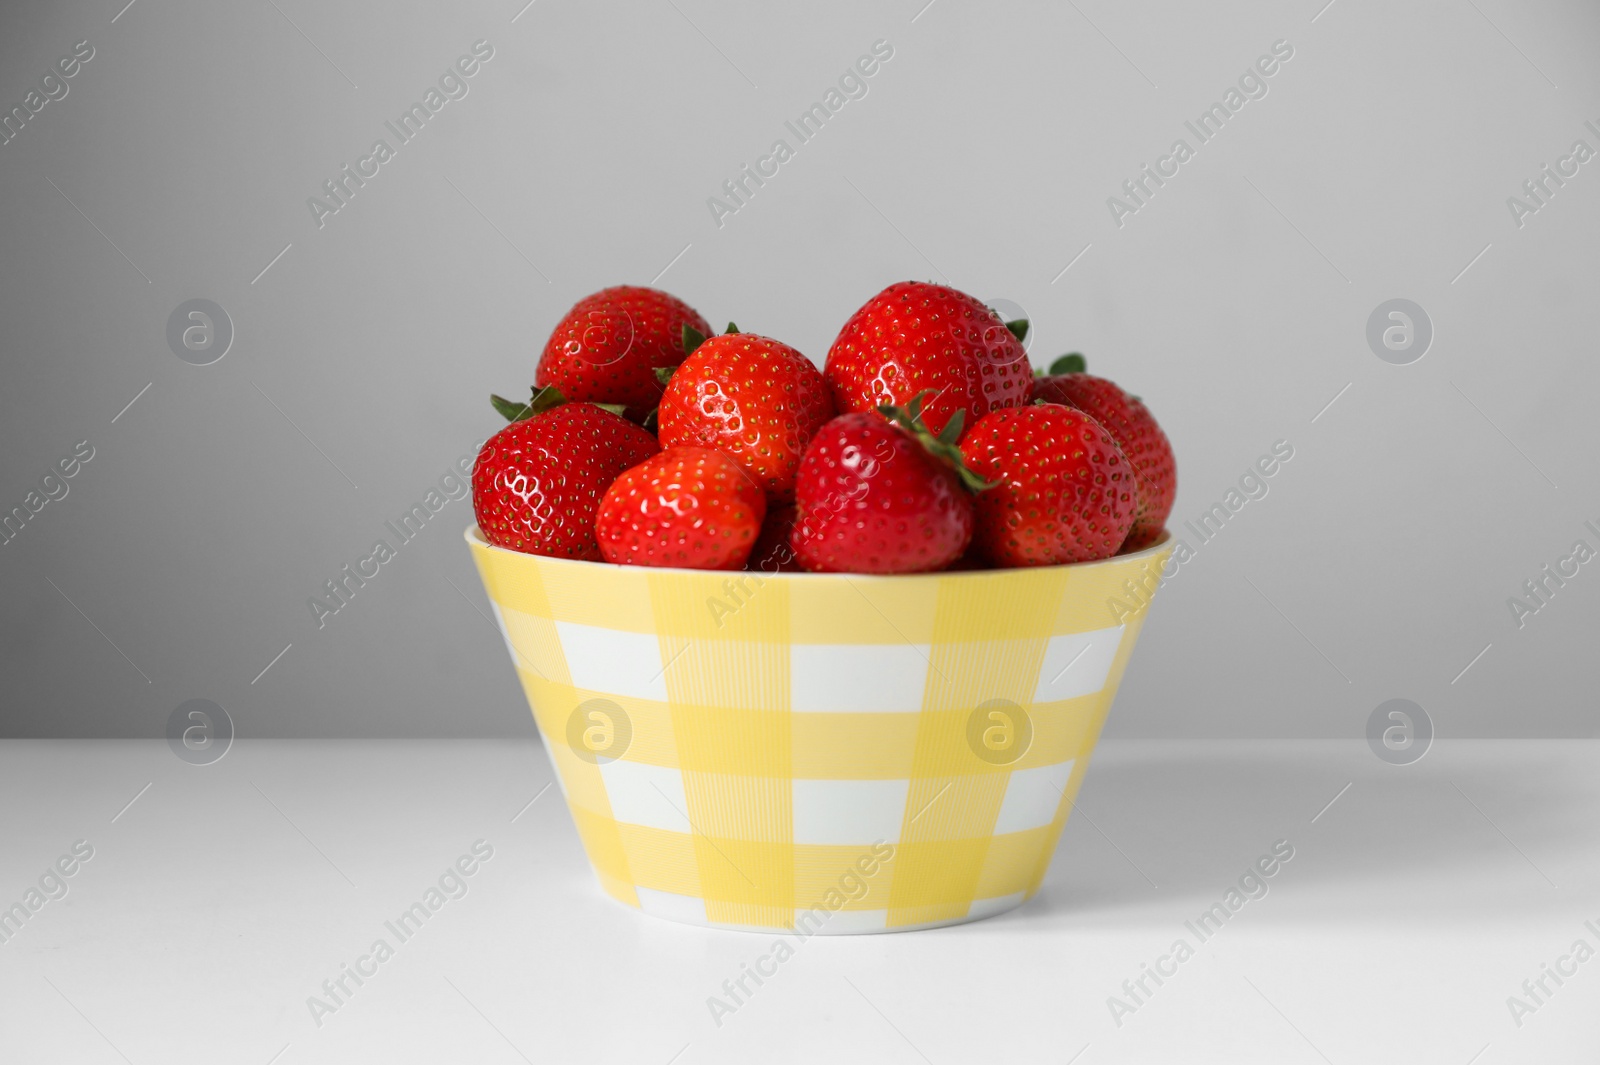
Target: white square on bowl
[[613, 661], [1077, 664], [852, 922], [989, 907], [838, 678], [1032, 797], [505, 634], [689, 909], [849, 811], [649, 795]]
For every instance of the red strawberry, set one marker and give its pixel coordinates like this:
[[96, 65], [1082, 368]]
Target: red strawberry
[[1066, 492], [874, 498], [752, 398], [772, 553], [1133, 427], [537, 482], [914, 336], [688, 507], [607, 347]]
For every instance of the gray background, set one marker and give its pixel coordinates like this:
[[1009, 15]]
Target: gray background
[[1235, 303]]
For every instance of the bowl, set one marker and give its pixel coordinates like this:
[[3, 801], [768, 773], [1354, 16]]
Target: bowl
[[819, 753]]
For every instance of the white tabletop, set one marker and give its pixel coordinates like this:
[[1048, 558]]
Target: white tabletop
[[219, 901]]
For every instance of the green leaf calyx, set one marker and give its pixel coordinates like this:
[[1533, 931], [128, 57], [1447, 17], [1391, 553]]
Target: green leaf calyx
[[943, 446], [1071, 363]]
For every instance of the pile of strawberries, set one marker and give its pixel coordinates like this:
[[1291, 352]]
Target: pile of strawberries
[[926, 443]]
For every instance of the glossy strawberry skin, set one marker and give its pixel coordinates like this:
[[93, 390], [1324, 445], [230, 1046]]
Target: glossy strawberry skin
[[536, 483], [871, 499], [688, 507], [913, 336], [753, 398], [1134, 428], [1065, 491], [606, 348]]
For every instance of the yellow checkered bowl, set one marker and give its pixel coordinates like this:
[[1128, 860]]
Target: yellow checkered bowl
[[819, 752]]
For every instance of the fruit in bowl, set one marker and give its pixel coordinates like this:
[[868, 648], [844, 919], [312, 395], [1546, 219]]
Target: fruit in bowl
[[914, 336], [820, 649], [689, 507], [1132, 426], [757, 400], [609, 345], [879, 494]]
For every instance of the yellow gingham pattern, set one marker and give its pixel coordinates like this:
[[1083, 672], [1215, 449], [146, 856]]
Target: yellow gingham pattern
[[753, 778]]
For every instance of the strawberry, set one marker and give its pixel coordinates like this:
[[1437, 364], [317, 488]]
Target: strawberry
[[754, 399], [537, 482], [877, 497], [1132, 426], [689, 507], [608, 346], [1066, 492], [914, 336], [772, 553]]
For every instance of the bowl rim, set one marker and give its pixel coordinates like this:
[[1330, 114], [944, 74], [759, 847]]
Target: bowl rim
[[473, 535]]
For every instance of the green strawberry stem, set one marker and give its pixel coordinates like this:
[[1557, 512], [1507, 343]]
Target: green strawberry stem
[[1073, 363], [543, 399], [692, 338], [664, 373], [1019, 329], [951, 433], [511, 412], [942, 447], [731, 329]]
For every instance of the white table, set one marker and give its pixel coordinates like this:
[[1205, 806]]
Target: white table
[[219, 901]]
